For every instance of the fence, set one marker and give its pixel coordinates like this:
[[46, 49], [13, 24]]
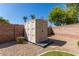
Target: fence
[[71, 30], [9, 32]]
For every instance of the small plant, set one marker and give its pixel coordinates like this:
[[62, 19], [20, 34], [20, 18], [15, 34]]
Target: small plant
[[25, 18], [33, 16], [20, 40]]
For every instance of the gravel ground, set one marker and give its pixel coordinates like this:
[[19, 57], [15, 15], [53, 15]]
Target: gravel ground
[[61, 42]]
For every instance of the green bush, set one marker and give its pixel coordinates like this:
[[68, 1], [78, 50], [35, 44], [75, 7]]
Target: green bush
[[20, 40]]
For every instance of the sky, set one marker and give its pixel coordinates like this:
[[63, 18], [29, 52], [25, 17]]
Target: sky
[[14, 12]]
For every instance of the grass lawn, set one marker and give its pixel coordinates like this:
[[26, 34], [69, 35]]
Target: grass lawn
[[57, 53]]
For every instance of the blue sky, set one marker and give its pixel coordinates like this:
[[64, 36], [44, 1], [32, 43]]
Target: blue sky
[[15, 12]]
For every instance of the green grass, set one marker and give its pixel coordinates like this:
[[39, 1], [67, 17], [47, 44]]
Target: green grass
[[57, 53]]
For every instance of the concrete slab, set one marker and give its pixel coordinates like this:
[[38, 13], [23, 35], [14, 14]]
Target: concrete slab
[[45, 43]]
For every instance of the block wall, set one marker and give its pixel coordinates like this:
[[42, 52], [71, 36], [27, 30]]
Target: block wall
[[72, 30], [10, 32]]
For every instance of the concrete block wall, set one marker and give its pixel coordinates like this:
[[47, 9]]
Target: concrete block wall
[[72, 30], [10, 32]]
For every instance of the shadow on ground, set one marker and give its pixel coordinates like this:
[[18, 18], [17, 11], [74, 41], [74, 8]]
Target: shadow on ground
[[7, 44], [57, 42], [52, 42]]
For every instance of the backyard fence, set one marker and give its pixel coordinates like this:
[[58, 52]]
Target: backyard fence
[[9, 32], [69, 30]]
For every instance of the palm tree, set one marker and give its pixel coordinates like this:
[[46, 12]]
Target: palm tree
[[25, 18], [33, 16]]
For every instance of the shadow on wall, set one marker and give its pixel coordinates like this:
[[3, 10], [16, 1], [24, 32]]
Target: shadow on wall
[[50, 31], [57, 42]]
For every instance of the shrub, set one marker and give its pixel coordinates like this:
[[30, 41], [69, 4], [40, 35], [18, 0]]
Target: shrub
[[20, 40]]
